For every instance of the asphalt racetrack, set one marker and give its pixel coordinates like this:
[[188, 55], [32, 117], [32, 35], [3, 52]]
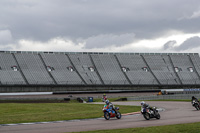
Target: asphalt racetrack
[[175, 113]]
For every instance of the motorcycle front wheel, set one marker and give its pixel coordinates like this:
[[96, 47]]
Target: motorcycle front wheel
[[106, 115], [118, 115], [158, 116], [146, 116], [197, 107]]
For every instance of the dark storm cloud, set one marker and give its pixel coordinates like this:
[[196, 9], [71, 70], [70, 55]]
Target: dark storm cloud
[[169, 45], [109, 39], [193, 42], [115, 22]]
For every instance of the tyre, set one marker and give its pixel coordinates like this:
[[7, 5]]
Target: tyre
[[158, 116], [118, 115], [106, 115], [146, 116], [196, 106]]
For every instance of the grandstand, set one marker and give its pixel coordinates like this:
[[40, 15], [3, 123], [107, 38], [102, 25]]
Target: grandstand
[[61, 71]]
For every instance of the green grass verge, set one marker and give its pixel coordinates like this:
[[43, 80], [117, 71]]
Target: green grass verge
[[175, 100], [37, 112], [75, 101], [110, 99], [116, 99], [172, 100], [179, 128]]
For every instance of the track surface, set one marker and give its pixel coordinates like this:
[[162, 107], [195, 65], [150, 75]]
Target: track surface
[[175, 113]]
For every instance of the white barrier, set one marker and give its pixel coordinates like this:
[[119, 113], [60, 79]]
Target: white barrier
[[26, 93]]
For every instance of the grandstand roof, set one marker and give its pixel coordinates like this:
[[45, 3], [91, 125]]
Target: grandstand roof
[[105, 53]]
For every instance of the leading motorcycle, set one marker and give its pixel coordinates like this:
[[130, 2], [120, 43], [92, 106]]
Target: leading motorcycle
[[196, 104], [110, 113], [148, 113]]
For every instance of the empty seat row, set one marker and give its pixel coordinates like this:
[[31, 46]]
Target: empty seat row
[[98, 69]]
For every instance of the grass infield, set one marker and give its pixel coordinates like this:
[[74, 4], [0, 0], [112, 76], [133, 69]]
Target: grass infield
[[179, 128], [38, 112]]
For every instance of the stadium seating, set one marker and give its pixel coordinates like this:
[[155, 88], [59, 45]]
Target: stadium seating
[[183, 63], [9, 73], [62, 68], [33, 68], [136, 72], [61, 72], [109, 69], [84, 66], [162, 69]]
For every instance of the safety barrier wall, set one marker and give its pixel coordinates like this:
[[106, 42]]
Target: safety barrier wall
[[164, 97]]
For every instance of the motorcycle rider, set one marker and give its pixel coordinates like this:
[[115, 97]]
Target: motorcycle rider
[[145, 105], [195, 99], [110, 105], [104, 98]]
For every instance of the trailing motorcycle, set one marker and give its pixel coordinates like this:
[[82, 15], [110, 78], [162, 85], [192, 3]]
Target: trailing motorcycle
[[196, 104], [109, 113], [148, 113]]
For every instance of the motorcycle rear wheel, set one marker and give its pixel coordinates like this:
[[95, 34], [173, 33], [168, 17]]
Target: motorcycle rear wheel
[[106, 115]]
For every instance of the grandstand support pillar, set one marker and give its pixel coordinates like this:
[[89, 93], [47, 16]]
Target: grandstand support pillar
[[174, 69], [122, 70], [20, 70], [195, 70], [47, 70], [150, 70], [76, 69], [96, 70]]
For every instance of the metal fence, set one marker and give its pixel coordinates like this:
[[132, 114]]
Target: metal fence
[[164, 97]]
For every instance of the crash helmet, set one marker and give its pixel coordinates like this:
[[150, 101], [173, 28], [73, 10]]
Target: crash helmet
[[193, 97], [142, 103], [107, 102]]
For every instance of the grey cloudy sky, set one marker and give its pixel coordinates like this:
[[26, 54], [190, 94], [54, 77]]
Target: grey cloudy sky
[[105, 25]]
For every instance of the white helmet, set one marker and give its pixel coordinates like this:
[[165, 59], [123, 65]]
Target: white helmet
[[142, 103], [107, 102]]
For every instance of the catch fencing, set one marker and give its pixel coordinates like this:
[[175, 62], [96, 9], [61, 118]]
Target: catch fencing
[[164, 97]]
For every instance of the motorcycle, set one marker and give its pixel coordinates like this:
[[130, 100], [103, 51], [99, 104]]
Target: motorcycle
[[109, 113], [196, 104], [104, 99], [148, 114]]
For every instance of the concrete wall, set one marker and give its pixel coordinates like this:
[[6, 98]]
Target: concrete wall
[[164, 97], [71, 88]]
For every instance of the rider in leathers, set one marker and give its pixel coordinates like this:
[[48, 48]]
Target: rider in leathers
[[104, 98], [145, 105], [110, 105], [195, 99]]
